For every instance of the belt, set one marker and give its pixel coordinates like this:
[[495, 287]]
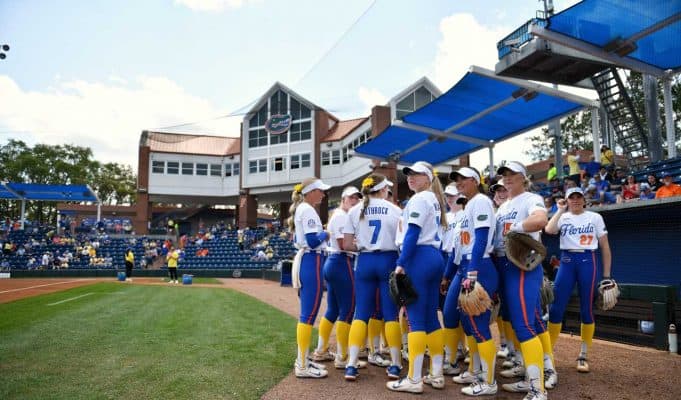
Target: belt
[[314, 251], [578, 250], [469, 256], [341, 253], [377, 251]]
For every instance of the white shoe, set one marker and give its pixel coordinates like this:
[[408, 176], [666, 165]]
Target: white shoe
[[535, 395], [517, 387], [508, 363], [339, 363], [175, 282], [378, 360], [582, 364], [451, 369], [316, 364], [550, 378], [320, 356], [480, 389], [518, 371], [310, 372], [465, 378], [364, 353], [405, 385], [128, 279], [503, 352], [437, 382]]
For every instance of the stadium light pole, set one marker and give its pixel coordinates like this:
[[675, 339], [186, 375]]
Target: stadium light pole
[[3, 49]]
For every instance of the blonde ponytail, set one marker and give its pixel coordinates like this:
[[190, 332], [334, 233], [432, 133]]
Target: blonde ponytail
[[296, 199], [367, 189]]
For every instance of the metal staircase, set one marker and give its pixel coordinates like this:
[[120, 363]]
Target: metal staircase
[[627, 125]]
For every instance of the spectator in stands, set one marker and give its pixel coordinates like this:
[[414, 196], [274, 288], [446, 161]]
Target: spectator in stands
[[646, 193], [592, 167], [551, 173], [654, 183], [129, 264], [607, 158], [573, 164], [605, 196], [45, 261], [7, 248], [172, 258], [670, 189], [32, 263], [4, 265], [605, 175], [631, 190], [550, 204]]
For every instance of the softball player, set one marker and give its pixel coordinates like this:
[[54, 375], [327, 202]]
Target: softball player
[[340, 287], [581, 233], [523, 212], [370, 229], [310, 238], [422, 261], [476, 233]]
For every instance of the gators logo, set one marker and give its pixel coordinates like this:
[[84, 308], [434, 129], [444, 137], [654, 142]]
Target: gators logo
[[482, 217]]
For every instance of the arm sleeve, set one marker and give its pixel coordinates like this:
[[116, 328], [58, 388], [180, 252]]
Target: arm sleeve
[[479, 246], [315, 239], [450, 268], [409, 244]]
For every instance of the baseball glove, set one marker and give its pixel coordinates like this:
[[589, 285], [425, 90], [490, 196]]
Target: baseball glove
[[608, 292], [523, 251], [546, 293], [496, 308], [402, 290], [474, 300]]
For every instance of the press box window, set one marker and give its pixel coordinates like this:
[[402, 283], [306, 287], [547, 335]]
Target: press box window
[[202, 169], [256, 166], [215, 170], [326, 158], [235, 169], [158, 167], [278, 164], [187, 168], [173, 168]]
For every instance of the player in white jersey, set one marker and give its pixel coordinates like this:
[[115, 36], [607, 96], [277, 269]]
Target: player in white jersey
[[422, 261], [310, 239], [340, 289], [370, 229], [581, 233], [524, 212], [477, 232]]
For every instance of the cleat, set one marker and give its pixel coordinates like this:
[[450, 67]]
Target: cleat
[[550, 378], [508, 363], [535, 395], [316, 364], [351, 374], [517, 387], [451, 369], [364, 353], [503, 352], [437, 382], [342, 364], [310, 372], [393, 371], [321, 356], [582, 365], [479, 388], [461, 354], [518, 371], [405, 385], [465, 378], [378, 360]]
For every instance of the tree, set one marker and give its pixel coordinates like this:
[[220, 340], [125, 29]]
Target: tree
[[575, 131]]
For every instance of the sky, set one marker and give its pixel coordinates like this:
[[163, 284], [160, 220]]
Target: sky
[[97, 73]]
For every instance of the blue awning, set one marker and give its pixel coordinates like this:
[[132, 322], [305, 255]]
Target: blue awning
[[480, 110], [645, 30], [42, 192]]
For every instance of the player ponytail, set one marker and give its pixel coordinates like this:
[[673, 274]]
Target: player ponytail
[[368, 185], [296, 199], [436, 188]]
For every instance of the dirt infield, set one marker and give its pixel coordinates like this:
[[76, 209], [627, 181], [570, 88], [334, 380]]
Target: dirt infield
[[617, 371]]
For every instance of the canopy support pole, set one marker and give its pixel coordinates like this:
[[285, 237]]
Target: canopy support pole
[[669, 117], [492, 172], [23, 213], [594, 134]]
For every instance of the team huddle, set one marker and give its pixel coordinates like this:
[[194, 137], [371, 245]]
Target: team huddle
[[450, 248]]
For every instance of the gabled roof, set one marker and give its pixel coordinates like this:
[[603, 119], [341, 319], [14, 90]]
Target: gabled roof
[[190, 144], [277, 86], [424, 81], [343, 129]]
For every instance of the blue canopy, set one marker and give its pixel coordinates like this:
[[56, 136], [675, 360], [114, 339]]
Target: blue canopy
[[35, 191], [480, 110]]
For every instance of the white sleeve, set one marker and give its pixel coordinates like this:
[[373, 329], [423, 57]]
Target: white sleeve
[[483, 214], [350, 222], [418, 209], [310, 221]]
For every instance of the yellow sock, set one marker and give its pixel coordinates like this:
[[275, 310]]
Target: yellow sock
[[393, 335], [587, 333], [358, 332], [417, 348], [533, 355], [325, 327], [436, 346], [303, 338], [342, 337], [472, 350], [545, 340], [375, 329], [554, 331], [488, 354]]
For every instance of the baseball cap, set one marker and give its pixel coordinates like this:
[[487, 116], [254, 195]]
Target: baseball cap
[[496, 186], [451, 190], [664, 174], [465, 172], [572, 191], [317, 184], [513, 166], [349, 191], [380, 185], [418, 167]]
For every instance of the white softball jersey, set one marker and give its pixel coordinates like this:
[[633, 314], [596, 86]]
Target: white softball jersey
[[307, 220], [335, 227], [513, 210], [423, 210], [449, 235], [581, 232], [478, 213], [376, 231]]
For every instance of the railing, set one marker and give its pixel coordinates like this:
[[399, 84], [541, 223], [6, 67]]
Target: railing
[[518, 37]]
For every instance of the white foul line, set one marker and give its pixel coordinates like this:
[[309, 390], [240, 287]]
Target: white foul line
[[72, 298], [47, 284]]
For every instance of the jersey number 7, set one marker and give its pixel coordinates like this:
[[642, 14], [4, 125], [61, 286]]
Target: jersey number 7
[[376, 224]]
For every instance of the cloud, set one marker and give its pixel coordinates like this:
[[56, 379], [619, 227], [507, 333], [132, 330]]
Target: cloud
[[106, 117], [371, 98], [213, 5]]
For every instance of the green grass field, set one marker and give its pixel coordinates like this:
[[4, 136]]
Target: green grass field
[[115, 341]]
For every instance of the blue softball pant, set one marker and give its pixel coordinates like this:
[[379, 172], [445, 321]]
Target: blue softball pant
[[579, 268], [488, 277], [520, 292], [311, 286], [372, 273], [340, 287], [425, 269], [451, 314]]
